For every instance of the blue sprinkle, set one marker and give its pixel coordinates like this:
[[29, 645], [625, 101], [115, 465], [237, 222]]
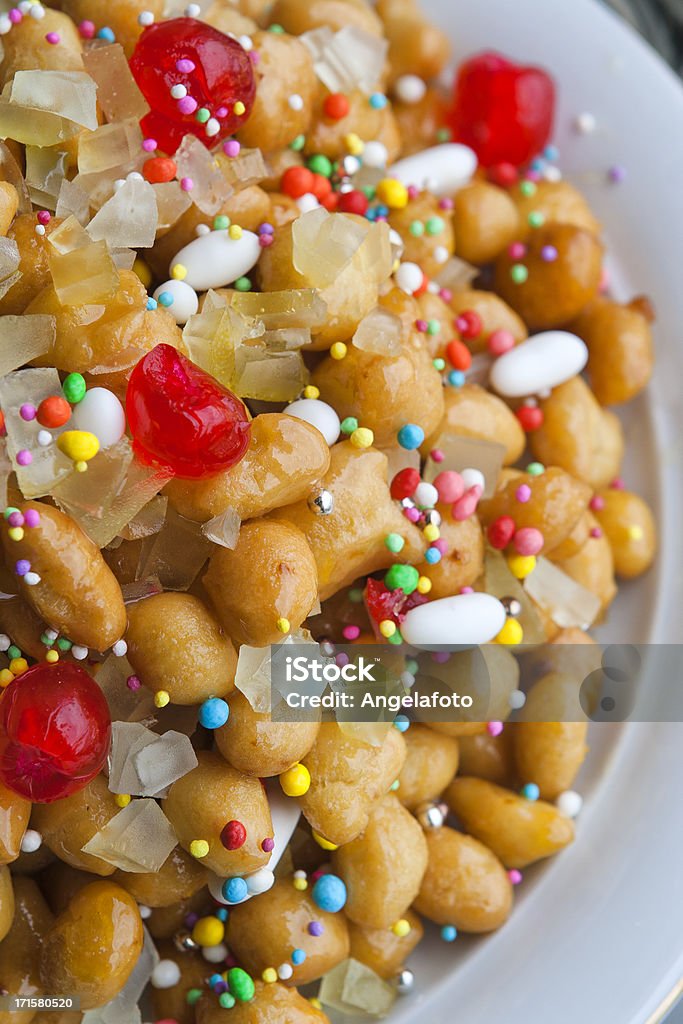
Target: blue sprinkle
[[329, 893], [221, 913], [411, 436], [234, 890], [378, 101], [432, 555], [402, 723], [551, 153], [106, 33], [537, 164], [449, 933], [215, 979], [165, 299], [214, 713], [456, 378], [382, 210], [370, 213], [151, 303], [530, 791], [298, 957]]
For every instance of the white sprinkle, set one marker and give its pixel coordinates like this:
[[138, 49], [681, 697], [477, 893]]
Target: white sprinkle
[[552, 173], [5, 642], [166, 974], [31, 841], [145, 18], [79, 653], [202, 229], [120, 648], [410, 88], [285, 971], [31, 579], [473, 478], [51, 634], [408, 679], [375, 154], [307, 202], [212, 127], [440, 254], [433, 288], [215, 954], [40, 229], [144, 911], [246, 42], [37, 11], [426, 495], [5, 24], [569, 803], [585, 123], [178, 91], [517, 699], [409, 277], [193, 11], [44, 438], [24, 6], [295, 101]]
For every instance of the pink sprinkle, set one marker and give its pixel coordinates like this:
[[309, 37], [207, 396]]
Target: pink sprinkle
[[44, 216], [596, 532], [24, 457], [421, 326], [267, 845], [31, 518], [265, 240], [254, 56], [441, 657], [533, 175], [221, 112], [15, 16], [341, 659], [467, 590], [87, 29], [445, 204], [16, 519], [523, 493], [186, 184], [133, 683], [517, 251], [446, 294], [412, 514], [437, 455], [441, 545], [597, 503], [149, 145], [604, 280], [494, 728], [184, 66], [231, 147], [450, 486], [528, 541], [515, 876], [187, 105], [413, 191], [27, 411], [53, 38], [465, 506], [350, 632], [617, 484], [500, 341]]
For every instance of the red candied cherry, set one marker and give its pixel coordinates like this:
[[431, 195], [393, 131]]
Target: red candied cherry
[[55, 730], [502, 110], [180, 416], [196, 80], [530, 417]]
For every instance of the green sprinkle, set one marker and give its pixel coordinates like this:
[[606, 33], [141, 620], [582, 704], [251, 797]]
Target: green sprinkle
[[395, 784], [13, 652], [74, 388], [394, 542], [536, 218], [320, 164], [64, 644], [349, 424], [433, 327], [434, 225], [9, 510], [527, 188], [443, 135], [439, 364], [535, 469], [243, 284], [412, 666], [193, 996], [45, 640], [401, 577], [277, 29], [519, 273], [202, 115], [368, 191], [355, 595], [298, 143], [417, 228], [227, 1001], [241, 985], [221, 222]]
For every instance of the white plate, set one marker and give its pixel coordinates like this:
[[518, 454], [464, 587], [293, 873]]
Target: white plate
[[595, 935]]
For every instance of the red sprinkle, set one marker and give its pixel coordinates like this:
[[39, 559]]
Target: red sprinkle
[[54, 411], [233, 835], [503, 174], [404, 483], [530, 416], [296, 182], [469, 324], [353, 202], [458, 355], [336, 106], [320, 186], [500, 532], [158, 169]]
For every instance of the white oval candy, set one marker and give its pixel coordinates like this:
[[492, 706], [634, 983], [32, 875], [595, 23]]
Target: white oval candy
[[100, 413], [467, 619], [185, 300], [542, 361], [318, 414], [447, 168], [216, 260]]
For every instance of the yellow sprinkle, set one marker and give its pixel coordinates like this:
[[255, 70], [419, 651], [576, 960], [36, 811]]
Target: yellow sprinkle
[[311, 391], [15, 533], [315, 1003], [635, 532], [52, 657], [143, 272], [521, 565], [122, 799], [362, 437], [511, 633], [283, 624], [239, 108], [401, 928], [269, 975], [79, 445], [199, 848], [300, 884], [18, 665], [392, 192], [80, 467], [354, 144], [208, 931], [424, 585], [179, 272], [387, 628], [235, 231], [6, 677], [296, 780], [161, 698], [338, 350], [324, 843], [431, 533]]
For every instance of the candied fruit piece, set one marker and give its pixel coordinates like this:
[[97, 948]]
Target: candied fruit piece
[[85, 275], [117, 91]]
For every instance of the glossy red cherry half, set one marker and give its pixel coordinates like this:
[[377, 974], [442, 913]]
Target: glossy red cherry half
[[213, 69], [502, 110], [55, 731], [181, 417]]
